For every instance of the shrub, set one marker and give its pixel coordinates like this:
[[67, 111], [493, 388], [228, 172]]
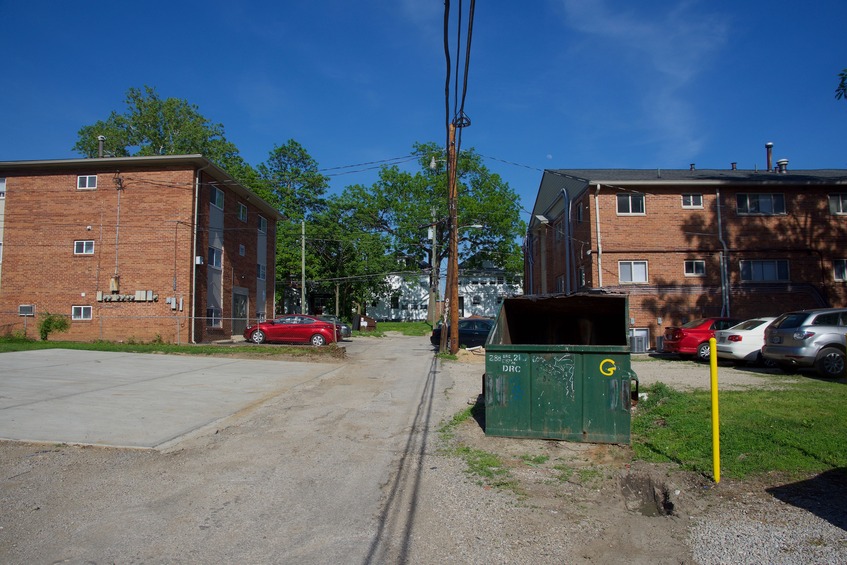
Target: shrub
[[50, 323]]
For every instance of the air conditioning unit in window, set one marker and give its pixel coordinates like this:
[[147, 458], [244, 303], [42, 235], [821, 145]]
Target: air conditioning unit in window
[[26, 310]]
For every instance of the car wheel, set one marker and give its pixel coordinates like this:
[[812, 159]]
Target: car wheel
[[830, 362], [318, 340], [258, 337], [704, 351]]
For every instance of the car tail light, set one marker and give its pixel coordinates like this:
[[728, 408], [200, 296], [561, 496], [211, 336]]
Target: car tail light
[[734, 338], [803, 335]]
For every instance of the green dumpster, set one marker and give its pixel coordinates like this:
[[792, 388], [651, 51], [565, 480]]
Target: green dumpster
[[559, 368]]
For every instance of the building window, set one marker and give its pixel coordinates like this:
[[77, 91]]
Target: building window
[[476, 300], [766, 270], [263, 225], [217, 199], [839, 268], [1, 252], [632, 272], [579, 212], [630, 204], [395, 301], [560, 283], [558, 231], [695, 268], [242, 212], [214, 317], [692, 200], [81, 313], [261, 271], [838, 203], [242, 250], [580, 273], [85, 247], [764, 204], [86, 182], [2, 188], [216, 257]]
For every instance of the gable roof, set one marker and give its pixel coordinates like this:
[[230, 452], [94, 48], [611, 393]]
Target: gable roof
[[196, 161]]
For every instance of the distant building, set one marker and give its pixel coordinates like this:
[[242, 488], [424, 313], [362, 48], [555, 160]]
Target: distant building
[[166, 248], [481, 291], [685, 244]]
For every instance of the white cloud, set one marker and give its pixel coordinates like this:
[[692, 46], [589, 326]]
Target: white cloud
[[665, 48]]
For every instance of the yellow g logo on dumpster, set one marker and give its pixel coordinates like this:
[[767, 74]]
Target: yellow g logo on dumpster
[[608, 367]]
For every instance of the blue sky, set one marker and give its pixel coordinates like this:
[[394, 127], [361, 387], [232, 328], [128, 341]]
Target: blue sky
[[552, 83]]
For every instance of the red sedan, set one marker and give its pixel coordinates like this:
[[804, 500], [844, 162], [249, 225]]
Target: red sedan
[[295, 328], [693, 338]]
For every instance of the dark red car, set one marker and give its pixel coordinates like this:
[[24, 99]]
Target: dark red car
[[693, 338], [295, 328]]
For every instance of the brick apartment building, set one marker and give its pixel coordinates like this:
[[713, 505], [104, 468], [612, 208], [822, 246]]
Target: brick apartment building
[[164, 248], [685, 244]]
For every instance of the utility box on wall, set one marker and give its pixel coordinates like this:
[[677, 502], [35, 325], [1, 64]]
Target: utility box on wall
[[559, 368]]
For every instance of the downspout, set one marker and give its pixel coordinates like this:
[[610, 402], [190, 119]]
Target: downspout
[[724, 258], [599, 242], [567, 236], [192, 332]]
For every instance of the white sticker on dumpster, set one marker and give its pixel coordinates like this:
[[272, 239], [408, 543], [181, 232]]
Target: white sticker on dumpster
[[510, 362]]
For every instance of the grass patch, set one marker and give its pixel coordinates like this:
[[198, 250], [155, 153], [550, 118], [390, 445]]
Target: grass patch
[[535, 460], [487, 468], [14, 343], [796, 431]]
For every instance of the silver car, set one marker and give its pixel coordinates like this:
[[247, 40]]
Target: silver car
[[808, 338]]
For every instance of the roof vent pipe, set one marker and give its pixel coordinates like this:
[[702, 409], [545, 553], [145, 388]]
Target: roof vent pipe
[[782, 166], [734, 166], [692, 167], [100, 140], [769, 148]]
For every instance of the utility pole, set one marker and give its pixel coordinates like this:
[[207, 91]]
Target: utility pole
[[302, 266], [452, 291], [432, 316]]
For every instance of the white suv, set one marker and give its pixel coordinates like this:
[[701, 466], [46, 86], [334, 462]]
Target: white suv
[[808, 338]]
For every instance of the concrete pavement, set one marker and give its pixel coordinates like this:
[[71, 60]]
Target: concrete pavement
[[133, 400]]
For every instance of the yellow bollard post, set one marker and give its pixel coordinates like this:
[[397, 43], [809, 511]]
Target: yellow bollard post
[[716, 427]]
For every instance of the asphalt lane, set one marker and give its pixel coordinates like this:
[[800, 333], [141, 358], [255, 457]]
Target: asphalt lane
[[133, 400]]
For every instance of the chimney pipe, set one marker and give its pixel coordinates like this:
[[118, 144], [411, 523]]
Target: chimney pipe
[[692, 167], [100, 140], [769, 148], [782, 166], [734, 166]]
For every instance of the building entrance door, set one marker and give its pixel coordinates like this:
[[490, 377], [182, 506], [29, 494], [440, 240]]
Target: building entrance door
[[239, 311]]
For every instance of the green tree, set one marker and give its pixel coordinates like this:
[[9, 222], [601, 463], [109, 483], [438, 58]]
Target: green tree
[[841, 91], [151, 125]]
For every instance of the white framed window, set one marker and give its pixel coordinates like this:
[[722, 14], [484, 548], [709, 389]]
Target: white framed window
[[630, 204], [214, 317], [217, 198], [839, 269], [838, 204], [86, 182], [580, 273], [692, 200], [261, 271], [84, 247], [216, 257], [760, 204], [764, 270], [632, 272], [81, 313], [263, 225], [695, 268], [242, 212], [242, 250], [2, 188]]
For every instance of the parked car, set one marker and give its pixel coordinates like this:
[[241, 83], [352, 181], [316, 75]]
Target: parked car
[[743, 342], [346, 330], [693, 338], [808, 338], [295, 328], [472, 332]]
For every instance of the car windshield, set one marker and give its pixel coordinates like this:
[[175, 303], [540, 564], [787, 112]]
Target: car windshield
[[693, 323], [748, 325]]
